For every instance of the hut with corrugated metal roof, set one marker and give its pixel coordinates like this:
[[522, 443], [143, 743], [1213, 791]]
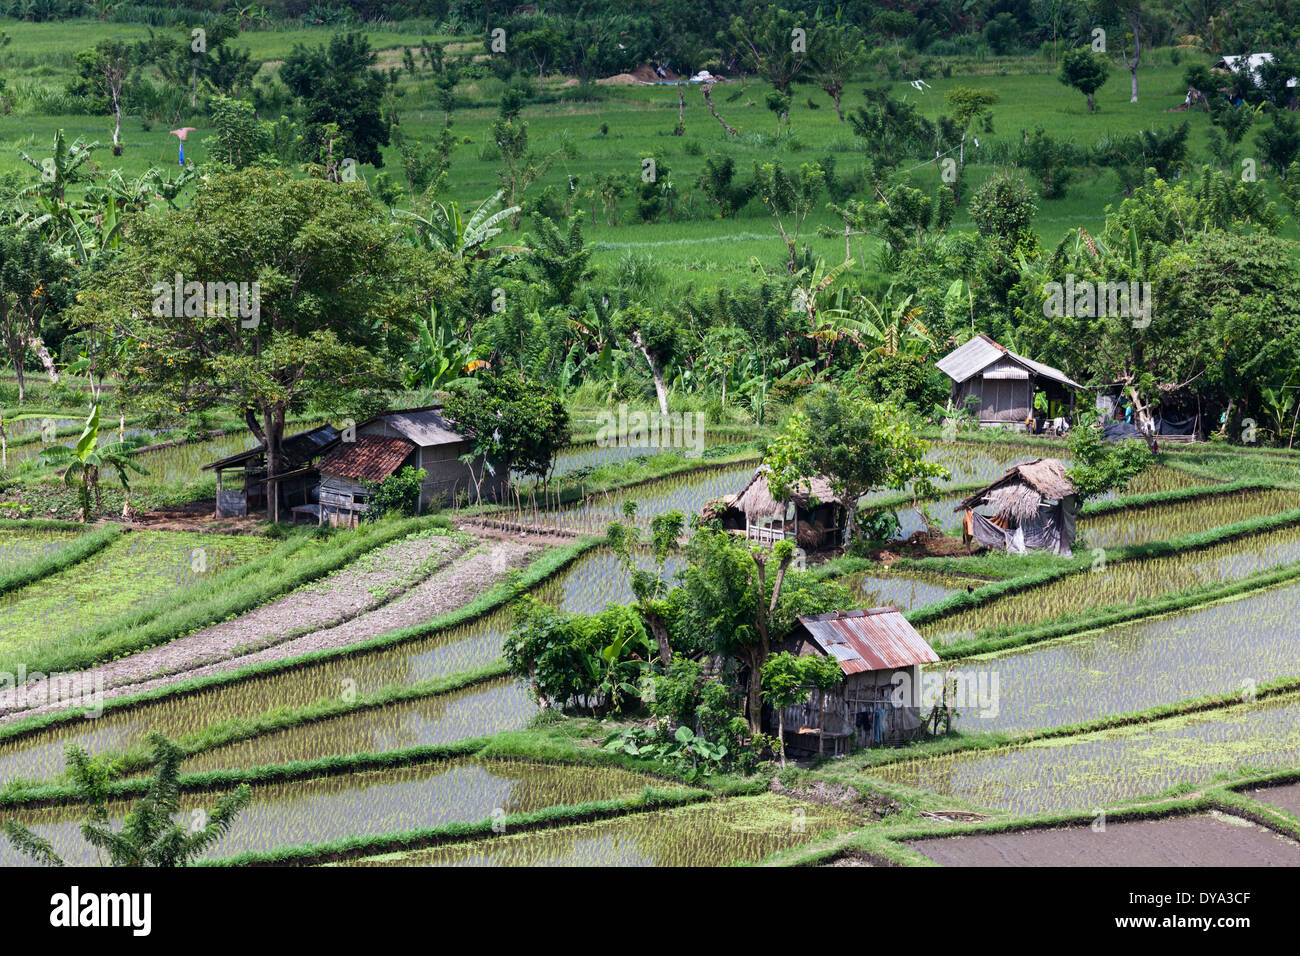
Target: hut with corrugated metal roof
[[241, 478], [813, 515], [876, 703], [1000, 385], [1033, 506]]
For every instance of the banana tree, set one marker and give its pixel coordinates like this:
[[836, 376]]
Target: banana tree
[[83, 462], [446, 229], [891, 329], [438, 355]]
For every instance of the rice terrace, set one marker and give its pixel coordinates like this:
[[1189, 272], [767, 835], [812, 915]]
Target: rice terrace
[[668, 435]]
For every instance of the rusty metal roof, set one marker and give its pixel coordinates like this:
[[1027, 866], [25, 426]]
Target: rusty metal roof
[[369, 458], [869, 640]]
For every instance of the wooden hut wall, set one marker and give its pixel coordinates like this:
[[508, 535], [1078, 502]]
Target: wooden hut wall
[[1000, 400], [450, 477], [837, 711], [342, 499]]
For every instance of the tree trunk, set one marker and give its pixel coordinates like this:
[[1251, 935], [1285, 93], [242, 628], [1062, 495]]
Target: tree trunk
[[660, 632], [250, 419], [780, 733], [1092, 103], [117, 120], [835, 98], [1142, 412], [707, 89], [1134, 24], [681, 111], [274, 427], [47, 360], [755, 691], [661, 391]]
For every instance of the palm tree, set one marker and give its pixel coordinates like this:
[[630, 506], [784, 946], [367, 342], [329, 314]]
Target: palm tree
[[83, 462], [149, 835]]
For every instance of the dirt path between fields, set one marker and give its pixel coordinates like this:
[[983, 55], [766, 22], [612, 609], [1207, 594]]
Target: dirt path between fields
[[336, 612]]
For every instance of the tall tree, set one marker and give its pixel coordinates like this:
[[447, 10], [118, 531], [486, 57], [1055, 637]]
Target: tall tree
[[516, 425], [774, 44], [103, 72], [838, 51], [1129, 14], [35, 278], [337, 295], [336, 84]]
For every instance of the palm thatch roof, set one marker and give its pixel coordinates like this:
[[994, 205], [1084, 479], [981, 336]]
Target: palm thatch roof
[[755, 499], [1023, 489]]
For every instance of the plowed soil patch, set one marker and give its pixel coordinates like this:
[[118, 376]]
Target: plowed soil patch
[[1201, 840]]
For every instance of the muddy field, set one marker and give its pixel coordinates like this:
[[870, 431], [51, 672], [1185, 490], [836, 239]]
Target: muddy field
[[1283, 797], [1202, 840]]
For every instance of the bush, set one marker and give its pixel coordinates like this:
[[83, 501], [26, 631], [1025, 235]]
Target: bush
[[397, 494]]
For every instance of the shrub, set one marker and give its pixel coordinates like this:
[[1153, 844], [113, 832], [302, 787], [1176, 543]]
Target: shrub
[[397, 494]]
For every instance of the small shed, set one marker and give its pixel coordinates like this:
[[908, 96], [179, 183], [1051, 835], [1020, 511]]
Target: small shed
[[1002, 382], [1033, 506], [241, 478], [347, 472], [875, 704], [1249, 64], [438, 449], [813, 515]]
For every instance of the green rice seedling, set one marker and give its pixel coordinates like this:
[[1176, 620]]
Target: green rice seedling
[[20, 545], [1109, 767], [476, 711], [903, 591], [331, 807], [1212, 650], [1162, 522], [139, 568], [1122, 582], [740, 830], [178, 464], [588, 585]]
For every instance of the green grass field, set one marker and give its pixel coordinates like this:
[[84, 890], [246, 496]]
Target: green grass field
[[694, 250]]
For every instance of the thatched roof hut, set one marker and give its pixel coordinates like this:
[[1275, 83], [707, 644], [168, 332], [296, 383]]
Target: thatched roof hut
[[755, 500], [813, 514], [1033, 505], [1023, 489]]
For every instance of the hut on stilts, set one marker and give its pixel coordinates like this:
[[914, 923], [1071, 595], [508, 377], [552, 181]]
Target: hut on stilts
[[813, 515]]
